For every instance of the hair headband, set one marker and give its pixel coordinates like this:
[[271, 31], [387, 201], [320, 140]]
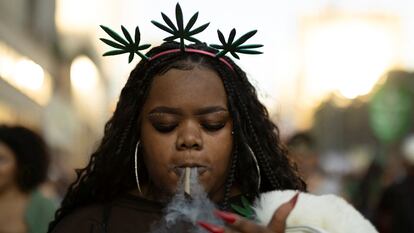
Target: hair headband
[[132, 46], [189, 50]]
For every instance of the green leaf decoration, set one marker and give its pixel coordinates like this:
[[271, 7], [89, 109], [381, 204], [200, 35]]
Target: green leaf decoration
[[246, 204], [114, 52], [127, 45], [236, 47], [246, 211], [127, 35], [180, 31], [169, 22], [114, 35], [113, 44], [137, 36], [250, 46], [191, 22]]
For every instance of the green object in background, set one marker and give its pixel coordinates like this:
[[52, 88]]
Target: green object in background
[[39, 213], [246, 210], [391, 113]]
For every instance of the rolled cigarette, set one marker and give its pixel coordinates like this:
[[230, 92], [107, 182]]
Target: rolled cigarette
[[187, 176]]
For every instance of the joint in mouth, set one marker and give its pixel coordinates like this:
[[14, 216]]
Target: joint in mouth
[[187, 185]]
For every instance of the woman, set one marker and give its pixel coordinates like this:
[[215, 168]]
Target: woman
[[186, 109], [23, 167]]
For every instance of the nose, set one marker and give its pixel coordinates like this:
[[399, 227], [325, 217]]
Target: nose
[[189, 137]]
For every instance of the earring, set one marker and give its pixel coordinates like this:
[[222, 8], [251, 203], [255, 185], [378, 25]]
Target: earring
[[259, 178], [136, 166]]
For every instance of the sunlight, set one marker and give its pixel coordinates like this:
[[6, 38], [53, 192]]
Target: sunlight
[[75, 16], [29, 75], [348, 55], [83, 74], [25, 75]]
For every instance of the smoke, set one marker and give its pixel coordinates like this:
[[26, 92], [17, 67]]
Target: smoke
[[183, 212]]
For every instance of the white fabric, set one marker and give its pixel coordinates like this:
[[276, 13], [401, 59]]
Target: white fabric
[[327, 213]]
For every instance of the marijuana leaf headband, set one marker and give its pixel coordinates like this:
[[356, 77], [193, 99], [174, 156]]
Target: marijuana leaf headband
[[132, 46]]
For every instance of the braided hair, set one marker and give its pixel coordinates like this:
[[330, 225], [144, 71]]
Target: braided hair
[[110, 171]]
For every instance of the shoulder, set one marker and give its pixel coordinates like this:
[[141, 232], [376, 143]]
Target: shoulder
[[38, 202], [84, 219], [39, 212]]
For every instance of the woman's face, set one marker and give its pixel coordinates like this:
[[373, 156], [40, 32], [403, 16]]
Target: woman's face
[[8, 166], [185, 122]]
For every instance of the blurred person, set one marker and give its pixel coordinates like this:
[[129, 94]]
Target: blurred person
[[385, 169], [302, 148], [24, 163], [395, 212]]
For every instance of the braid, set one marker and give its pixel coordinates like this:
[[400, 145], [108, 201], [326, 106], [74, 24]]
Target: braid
[[263, 159], [280, 171], [124, 135], [230, 180]]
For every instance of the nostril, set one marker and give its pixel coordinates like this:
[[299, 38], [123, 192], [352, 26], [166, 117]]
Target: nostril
[[194, 146], [189, 142]]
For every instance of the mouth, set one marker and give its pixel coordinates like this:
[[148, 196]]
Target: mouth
[[179, 170]]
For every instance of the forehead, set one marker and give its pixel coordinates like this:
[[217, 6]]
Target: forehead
[[196, 88]]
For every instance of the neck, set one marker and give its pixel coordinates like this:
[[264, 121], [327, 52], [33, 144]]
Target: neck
[[218, 196], [11, 192]]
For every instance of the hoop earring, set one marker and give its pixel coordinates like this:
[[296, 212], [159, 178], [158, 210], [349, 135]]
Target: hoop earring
[[136, 166], [259, 178]]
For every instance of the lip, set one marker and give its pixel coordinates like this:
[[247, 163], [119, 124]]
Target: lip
[[179, 169]]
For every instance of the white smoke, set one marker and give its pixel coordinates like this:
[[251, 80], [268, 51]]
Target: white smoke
[[182, 213]]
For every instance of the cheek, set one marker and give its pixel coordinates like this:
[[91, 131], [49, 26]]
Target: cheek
[[220, 153], [156, 148], [7, 171], [156, 159], [158, 170], [158, 153], [222, 147]]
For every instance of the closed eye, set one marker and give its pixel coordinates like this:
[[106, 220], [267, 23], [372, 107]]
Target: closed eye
[[164, 128], [213, 127]]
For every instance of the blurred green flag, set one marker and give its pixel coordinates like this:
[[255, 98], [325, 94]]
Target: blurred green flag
[[391, 113]]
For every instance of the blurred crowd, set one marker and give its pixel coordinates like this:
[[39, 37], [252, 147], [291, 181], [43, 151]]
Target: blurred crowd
[[383, 191]]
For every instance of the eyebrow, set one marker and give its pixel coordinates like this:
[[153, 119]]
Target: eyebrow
[[176, 111], [210, 109]]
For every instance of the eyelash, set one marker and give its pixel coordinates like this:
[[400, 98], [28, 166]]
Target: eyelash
[[169, 128], [164, 128], [213, 127]]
